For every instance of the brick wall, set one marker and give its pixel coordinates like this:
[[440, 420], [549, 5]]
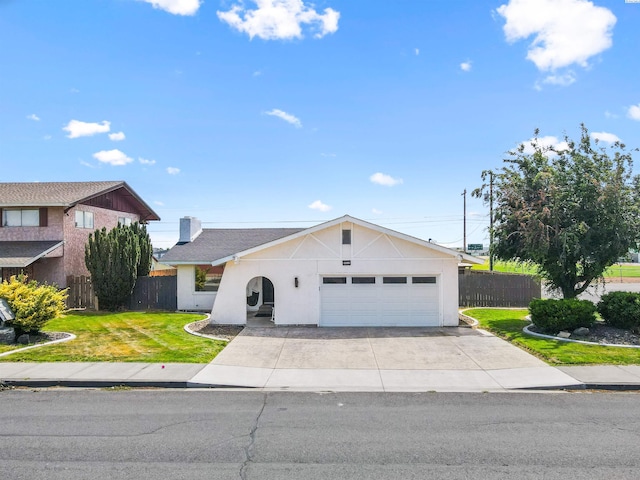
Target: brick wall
[[76, 238]]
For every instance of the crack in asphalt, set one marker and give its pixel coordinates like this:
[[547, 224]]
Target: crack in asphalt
[[252, 439]]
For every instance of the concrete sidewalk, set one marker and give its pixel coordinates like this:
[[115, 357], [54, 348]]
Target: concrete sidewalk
[[102, 374], [183, 375]]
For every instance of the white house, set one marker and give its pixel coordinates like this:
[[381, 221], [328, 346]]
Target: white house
[[345, 272]]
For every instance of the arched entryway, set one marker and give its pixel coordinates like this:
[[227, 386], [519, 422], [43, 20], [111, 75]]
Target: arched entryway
[[260, 299]]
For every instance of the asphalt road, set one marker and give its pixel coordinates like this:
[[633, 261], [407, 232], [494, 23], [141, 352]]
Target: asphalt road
[[89, 434]]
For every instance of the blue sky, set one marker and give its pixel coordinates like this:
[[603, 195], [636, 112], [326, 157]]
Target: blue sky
[[288, 112]]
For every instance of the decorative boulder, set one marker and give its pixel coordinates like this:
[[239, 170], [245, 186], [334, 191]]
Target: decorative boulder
[[23, 339], [581, 331], [563, 335], [7, 335]]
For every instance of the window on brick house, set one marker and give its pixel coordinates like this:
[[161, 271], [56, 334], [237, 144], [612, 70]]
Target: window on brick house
[[20, 217], [84, 219]]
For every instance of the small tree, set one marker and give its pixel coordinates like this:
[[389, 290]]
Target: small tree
[[33, 304], [112, 258], [572, 211]]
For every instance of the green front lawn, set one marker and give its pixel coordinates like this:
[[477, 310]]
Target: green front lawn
[[617, 270], [123, 337], [508, 324]]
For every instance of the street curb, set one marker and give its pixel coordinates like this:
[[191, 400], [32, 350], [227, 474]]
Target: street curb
[[94, 383]]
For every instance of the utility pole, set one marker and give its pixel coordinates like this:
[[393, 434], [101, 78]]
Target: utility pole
[[464, 235], [491, 221]]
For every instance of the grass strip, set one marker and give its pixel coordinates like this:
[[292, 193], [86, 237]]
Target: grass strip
[[508, 324]]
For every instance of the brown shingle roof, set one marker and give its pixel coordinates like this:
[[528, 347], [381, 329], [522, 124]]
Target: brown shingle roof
[[63, 194], [48, 194]]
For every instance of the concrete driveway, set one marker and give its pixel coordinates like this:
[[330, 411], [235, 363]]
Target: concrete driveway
[[376, 359]]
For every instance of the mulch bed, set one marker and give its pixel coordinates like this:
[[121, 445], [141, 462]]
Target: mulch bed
[[227, 332], [601, 333]]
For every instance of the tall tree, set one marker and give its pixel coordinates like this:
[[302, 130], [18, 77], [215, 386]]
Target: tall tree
[[571, 210], [146, 250], [112, 258]]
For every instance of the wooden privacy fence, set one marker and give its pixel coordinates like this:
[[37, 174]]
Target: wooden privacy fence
[[155, 293], [80, 292], [150, 293], [492, 289]]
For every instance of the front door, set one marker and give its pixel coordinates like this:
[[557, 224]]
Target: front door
[[267, 291]]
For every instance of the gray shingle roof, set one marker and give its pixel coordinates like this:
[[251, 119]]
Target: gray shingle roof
[[47, 194], [216, 243], [22, 254]]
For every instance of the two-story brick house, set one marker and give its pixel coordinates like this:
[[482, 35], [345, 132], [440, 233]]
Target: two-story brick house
[[44, 226]]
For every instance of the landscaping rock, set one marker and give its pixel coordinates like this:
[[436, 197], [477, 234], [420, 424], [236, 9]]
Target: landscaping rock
[[581, 331], [7, 335], [23, 339], [563, 334]]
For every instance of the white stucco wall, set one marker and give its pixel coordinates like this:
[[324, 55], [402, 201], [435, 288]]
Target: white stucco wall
[[188, 298], [321, 254]]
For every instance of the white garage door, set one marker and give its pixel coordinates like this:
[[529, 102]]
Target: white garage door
[[387, 301]]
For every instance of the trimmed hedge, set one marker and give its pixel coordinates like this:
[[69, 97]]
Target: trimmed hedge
[[553, 316], [620, 310]]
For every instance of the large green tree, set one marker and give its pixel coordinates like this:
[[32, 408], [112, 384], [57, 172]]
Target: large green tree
[[571, 209], [115, 259]]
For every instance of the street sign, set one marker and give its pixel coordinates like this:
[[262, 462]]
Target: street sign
[[475, 246]]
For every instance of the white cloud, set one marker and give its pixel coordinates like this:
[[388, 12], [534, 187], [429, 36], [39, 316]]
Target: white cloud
[[33, 117], [257, 73], [176, 7], [564, 80], [376, 211], [280, 19], [117, 137], [545, 143], [384, 179], [287, 117], [565, 32], [145, 161], [47, 137], [318, 205], [112, 157], [417, 51], [74, 90], [466, 66], [605, 137], [76, 128], [634, 112], [173, 170], [159, 203], [328, 155], [608, 114]]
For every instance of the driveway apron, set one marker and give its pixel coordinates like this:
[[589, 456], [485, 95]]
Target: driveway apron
[[376, 359]]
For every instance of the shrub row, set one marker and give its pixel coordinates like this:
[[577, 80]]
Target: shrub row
[[552, 316], [617, 309]]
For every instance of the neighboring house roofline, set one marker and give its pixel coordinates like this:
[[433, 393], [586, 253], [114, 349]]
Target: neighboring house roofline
[[70, 198], [349, 219], [26, 261]]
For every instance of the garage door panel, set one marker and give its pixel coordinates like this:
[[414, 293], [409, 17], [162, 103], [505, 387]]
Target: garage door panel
[[380, 304]]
